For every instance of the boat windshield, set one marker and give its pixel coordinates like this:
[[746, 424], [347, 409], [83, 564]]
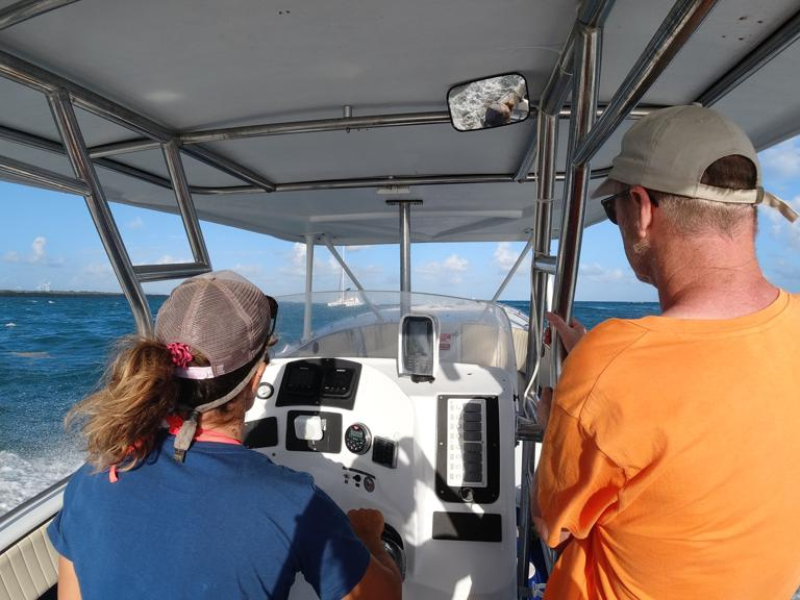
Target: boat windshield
[[365, 324]]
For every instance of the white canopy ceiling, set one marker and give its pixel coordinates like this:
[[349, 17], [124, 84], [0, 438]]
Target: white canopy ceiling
[[200, 64]]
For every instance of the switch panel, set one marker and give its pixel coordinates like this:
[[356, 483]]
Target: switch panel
[[468, 456], [466, 447]]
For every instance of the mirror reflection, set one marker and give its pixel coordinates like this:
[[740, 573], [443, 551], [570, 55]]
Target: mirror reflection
[[490, 102]]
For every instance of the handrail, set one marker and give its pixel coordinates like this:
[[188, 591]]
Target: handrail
[[149, 273], [28, 9], [313, 126]]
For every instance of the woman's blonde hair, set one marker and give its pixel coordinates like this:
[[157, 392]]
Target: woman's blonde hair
[[121, 421]]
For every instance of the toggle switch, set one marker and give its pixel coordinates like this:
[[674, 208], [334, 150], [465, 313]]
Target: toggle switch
[[309, 428]]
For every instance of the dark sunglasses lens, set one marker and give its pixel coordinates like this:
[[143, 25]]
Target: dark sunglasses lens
[[610, 208], [273, 313]]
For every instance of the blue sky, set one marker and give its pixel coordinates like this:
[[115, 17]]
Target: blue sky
[[48, 238]]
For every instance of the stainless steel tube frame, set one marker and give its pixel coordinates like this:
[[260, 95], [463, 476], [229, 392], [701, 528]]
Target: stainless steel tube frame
[[405, 258], [681, 22], [35, 77], [183, 196], [776, 43], [593, 13], [587, 68], [69, 129], [148, 273], [543, 218], [307, 311], [314, 126], [42, 177], [28, 9]]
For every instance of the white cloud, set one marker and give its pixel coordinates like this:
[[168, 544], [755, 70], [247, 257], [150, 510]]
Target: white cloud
[[38, 255], [38, 245], [295, 263], [781, 161], [504, 257], [779, 227], [168, 259], [449, 270], [456, 264], [137, 223]]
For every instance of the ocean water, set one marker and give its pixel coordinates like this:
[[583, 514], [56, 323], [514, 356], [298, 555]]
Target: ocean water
[[53, 349]]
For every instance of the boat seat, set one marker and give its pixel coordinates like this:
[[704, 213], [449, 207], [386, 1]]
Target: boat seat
[[520, 337], [29, 568], [482, 345]]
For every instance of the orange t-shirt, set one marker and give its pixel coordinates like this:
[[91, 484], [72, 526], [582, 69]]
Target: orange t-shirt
[[673, 457]]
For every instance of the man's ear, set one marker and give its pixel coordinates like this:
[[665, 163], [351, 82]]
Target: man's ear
[[644, 211]]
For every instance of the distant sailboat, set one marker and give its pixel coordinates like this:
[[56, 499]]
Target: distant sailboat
[[344, 299]]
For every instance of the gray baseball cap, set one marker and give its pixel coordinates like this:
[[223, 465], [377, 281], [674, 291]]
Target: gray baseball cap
[[670, 149], [226, 318], [221, 315]]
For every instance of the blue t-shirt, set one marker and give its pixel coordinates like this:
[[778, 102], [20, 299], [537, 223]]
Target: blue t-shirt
[[227, 523]]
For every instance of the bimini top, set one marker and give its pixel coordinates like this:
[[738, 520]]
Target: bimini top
[[305, 118]]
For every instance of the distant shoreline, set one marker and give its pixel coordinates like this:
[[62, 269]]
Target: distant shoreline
[[51, 294]]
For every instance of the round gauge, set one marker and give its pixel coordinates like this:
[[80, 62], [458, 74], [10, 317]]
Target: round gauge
[[265, 390], [357, 438]]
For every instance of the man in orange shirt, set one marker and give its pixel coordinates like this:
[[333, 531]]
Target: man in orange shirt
[[671, 459]]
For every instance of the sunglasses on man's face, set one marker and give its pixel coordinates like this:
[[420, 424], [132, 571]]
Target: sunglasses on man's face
[[273, 314], [610, 206]]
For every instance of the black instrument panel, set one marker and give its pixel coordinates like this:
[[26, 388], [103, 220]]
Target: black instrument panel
[[320, 382]]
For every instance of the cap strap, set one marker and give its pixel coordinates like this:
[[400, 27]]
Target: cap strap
[[781, 206], [187, 431], [185, 436]]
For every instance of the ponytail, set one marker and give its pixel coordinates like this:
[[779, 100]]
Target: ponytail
[[120, 422]]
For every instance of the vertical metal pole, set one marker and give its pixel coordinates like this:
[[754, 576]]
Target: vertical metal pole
[[405, 247], [67, 123], [545, 182], [405, 251], [309, 285], [576, 187], [183, 196]]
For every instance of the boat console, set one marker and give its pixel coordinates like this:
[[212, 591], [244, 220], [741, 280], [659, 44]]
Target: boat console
[[434, 453]]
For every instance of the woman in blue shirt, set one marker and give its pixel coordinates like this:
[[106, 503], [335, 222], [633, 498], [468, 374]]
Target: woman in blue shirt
[[170, 504]]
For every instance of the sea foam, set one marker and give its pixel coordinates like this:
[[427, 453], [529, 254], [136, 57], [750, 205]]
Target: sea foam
[[22, 478]]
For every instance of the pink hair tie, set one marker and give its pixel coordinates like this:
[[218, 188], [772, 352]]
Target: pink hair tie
[[181, 355]]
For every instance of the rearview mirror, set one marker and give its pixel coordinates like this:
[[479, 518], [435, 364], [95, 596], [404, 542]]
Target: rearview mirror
[[486, 103]]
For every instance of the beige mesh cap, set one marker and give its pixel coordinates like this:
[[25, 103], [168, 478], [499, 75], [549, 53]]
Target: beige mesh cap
[[670, 149], [219, 314]]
